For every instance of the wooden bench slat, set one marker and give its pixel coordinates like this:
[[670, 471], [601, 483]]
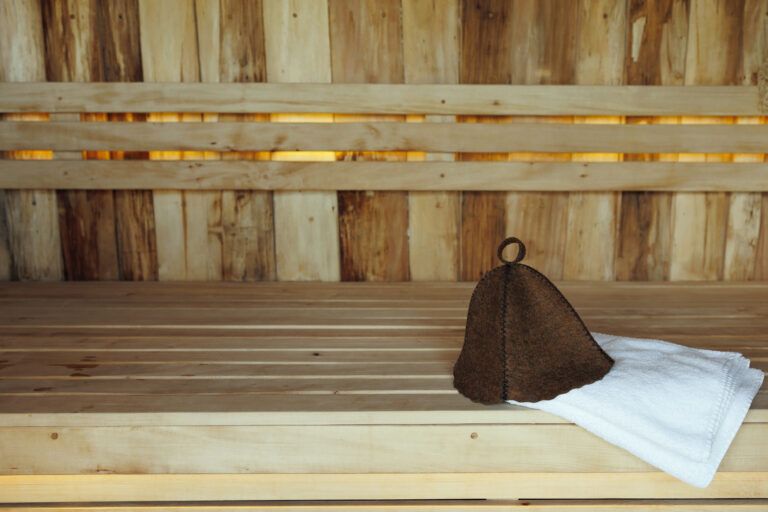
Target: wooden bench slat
[[273, 409], [363, 175], [379, 98], [435, 137], [605, 505], [556, 448], [108, 488]]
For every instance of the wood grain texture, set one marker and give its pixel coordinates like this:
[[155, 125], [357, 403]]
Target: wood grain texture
[[486, 58], [700, 220], [384, 98], [86, 218], [605, 505], [592, 217], [655, 55], [281, 385], [373, 247], [544, 33], [483, 217], [248, 247], [208, 487], [30, 215], [431, 55], [370, 175], [306, 223], [169, 51], [366, 47], [744, 215], [336, 449], [297, 132], [119, 43], [246, 217], [761, 251], [6, 258]]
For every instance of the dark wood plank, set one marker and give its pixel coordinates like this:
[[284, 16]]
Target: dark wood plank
[[366, 46], [761, 260], [134, 210], [246, 220], [486, 58], [86, 218], [655, 55]]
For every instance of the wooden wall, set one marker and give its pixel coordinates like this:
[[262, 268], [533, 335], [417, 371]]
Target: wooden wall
[[362, 235]]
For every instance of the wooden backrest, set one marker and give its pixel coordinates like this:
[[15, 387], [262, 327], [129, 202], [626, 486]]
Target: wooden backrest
[[431, 106]]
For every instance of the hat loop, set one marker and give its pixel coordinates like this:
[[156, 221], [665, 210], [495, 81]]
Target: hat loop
[[520, 251]]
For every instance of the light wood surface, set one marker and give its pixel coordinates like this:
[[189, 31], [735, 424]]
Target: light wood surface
[[33, 239], [383, 486], [306, 223], [371, 98], [431, 55], [389, 175], [607, 505], [600, 136], [175, 353], [274, 390]]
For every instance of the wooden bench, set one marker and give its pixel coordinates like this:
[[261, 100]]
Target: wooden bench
[[117, 392], [190, 393]]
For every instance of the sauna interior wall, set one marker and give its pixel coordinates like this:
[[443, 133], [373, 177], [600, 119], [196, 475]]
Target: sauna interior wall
[[359, 235]]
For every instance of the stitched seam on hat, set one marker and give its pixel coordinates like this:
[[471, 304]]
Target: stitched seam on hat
[[504, 332], [567, 304]]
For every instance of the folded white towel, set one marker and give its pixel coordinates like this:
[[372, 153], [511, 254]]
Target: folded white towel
[[675, 407]]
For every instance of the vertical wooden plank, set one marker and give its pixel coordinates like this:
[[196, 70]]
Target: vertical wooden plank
[[6, 259], [245, 216], [366, 47], [86, 218], [431, 55], [169, 53], [248, 238], [655, 55], [744, 213], [207, 204], [761, 258], [543, 53], [591, 240], [134, 209], [30, 215], [306, 223], [135, 215], [700, 219], [761, 251], [486, 57]]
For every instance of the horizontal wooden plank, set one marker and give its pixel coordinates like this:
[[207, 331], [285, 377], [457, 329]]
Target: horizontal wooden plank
[[563, 448], [78, 342], [605, 505], [381, 486], [310, 356], [366, 175], [274, 409], [87, 372], [436, 137], [391, 383], [379, 98], [373, 290]]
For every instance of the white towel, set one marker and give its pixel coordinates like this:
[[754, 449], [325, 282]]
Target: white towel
[[675, 407]]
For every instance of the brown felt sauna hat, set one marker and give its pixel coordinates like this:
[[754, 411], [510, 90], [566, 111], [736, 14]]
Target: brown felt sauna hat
[[523, 340]]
